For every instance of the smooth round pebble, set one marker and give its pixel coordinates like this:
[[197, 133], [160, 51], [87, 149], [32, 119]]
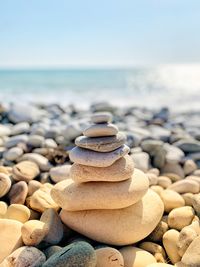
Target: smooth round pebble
[[171, 200], [5, 184], [192, 256], [13, 154], [101, 117], [33, 186], [51, 250], [94, 195], [180, 217], [77, 254], [25, 171], [3, 209], [98, 130], [18, 212], [109, 257], [97, 159], [185, 186], [18, 193], [120, 170], [170, 240], [40, 160]]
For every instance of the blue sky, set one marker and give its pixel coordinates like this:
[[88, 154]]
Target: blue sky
[[47, 33]]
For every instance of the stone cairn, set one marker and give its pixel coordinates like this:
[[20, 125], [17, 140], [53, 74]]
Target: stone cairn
[[106, 198]]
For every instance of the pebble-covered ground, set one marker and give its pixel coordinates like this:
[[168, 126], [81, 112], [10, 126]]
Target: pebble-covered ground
[[35, 142]]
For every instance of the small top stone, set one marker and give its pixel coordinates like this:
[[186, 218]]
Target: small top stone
[[101, 117]]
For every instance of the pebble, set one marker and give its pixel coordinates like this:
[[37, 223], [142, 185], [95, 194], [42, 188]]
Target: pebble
[[156, 250], [121, 169], [171, 200], [15, 140], [5, 184], [25, 256], [96, 224], [18, 212], [174, 154], [173, 168], [101, 144], [60, 173], [18, 193], [3, 209], [41, 199], [158, 232], [20, 128], [164, 181], [10, 237], [13, 154], [78, 254], [101, 117], [170, 240], [192, 257], [25, 171], [180, 217], [33, 186], [188, 145], [33, 232], [101, 130], [189, 166], [185, 186], [141, 160], [4, 130], [40, 160], [109, 257], [160, 265], [35, 140], [55, 228], [97, 159], [51, 250], [134, 257], [89, 196]]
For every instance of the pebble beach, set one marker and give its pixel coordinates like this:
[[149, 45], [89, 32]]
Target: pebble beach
[[102, 186]]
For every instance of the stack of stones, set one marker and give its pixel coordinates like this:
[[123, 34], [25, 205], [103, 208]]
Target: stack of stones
[[106, 198]]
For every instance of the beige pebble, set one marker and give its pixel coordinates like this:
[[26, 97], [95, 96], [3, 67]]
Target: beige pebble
[[53, 223], [155, 171], [18, 212], [103, 129], [158, 232], [193, 178], [171, 199], [192, 256], [155, 249], [189, 198], [33, 232], [185, 186], [40, 160], [5, 184], [173, 168], [94, 195], [136, 257], [173, 176], [120, 170], [164, 181], [133, 223], [180, 217], [186, 236], [25, 257], [41, 199], [33, 186], [196, 203], [25, 171], [189, 166], [10, 237], [170, 240], [5, 170], [109, 257], [3, 209], [157, 188], [18, 193], [153, 178], [160, 265]]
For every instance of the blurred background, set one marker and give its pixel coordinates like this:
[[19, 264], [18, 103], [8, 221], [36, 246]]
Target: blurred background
[[127, 52]]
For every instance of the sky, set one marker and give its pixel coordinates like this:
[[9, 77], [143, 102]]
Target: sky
[[59, 33]]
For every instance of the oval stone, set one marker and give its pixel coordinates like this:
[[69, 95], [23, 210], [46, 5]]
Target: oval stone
[[101, 144], [109, 257], [103, 129], [120, 170], [97, 159], [121, 226], [25, 171], [94, 195], [101, 117], [5, 184]]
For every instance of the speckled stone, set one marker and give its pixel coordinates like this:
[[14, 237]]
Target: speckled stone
[[101, 144], [78, 254], [97, 159]]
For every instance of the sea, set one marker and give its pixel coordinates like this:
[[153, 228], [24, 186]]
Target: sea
[[173, 86]]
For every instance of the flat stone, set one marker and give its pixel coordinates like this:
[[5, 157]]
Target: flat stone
[[101, 144], [5, 184], [134, 223], [134, 257], [41, 199], [78, 254], [109, 257], [40, 160], [101, 117], [18, 193], [25, 171], [98, 130], [55, 227], [13, 153], [120, 170], [25, 256], [94, 195], [10, 237], [60, 173], [97, 159]]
